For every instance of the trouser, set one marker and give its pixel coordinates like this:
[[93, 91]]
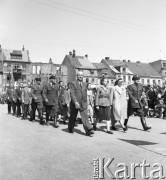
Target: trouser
[[140, 113], [25, 110], [84, 118], [51, 113], [14, 107], [9, 106], [18, 105], [39, 107]]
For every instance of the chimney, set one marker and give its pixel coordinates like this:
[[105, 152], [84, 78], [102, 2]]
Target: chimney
[[70, 53], [107, 58], [74, 53], [50, 61], [128, 60], [124, 60], [86, 55], [23, 49], [138, 62]]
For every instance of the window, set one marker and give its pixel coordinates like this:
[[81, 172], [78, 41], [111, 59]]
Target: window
[[87, 80], [164, 64], [129, 78], [92, 71], [112, 81], [24, 67], [124, 69], [93, 80], [148, 81], [38, 70], [34, 69], [154, 82], [159, 83], [142, 80], [124, 79]]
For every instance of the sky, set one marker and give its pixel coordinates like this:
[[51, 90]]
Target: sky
[[120, 29]]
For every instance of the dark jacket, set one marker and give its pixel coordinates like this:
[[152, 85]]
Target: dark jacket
[[18, 93], [51, 94], [78, 94], [9, 94], [37, 93], [135, 93]]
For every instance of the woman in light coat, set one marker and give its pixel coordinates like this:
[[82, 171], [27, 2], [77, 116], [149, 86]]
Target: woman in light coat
[[119, 102]]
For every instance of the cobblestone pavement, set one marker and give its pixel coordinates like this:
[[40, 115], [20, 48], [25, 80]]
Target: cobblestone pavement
[[29, 151]]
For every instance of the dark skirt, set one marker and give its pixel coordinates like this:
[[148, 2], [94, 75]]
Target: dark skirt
[[104, 113]]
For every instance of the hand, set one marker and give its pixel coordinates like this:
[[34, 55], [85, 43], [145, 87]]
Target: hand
[[136, 101], [46, 100], [77, 105], [35, 98], [97, 107]]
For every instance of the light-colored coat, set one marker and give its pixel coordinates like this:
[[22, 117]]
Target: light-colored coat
[[119, 103]]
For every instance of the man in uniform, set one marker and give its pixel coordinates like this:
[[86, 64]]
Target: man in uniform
[[78, 90], [18, 99], [134, 105], [26, 99], [37, 100], [9, 95], [50, 94]]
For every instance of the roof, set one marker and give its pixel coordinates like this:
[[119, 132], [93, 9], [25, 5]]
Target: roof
[[142, 69], [6, 55], [99, 65], [103, 69], [81, 62]]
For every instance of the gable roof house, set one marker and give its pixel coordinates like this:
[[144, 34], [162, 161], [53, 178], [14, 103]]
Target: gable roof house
[[127, 69], [76, 63], [15, 65], [160, 67], [103, 70]]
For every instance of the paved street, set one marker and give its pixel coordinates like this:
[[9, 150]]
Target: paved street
[[29, 151]]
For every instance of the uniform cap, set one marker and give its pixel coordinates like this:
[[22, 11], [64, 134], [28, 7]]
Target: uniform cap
[[136, 77]]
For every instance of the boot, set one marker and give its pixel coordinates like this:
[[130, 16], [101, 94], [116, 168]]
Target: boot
[[144, 125], [125, 123], [55, 122]]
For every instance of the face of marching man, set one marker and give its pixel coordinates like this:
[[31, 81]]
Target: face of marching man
[[80, 76]]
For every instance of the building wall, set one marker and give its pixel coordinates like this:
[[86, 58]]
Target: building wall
[[71, 72]]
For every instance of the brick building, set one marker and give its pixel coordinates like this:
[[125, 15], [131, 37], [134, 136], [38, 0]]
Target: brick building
[[14, 66], [76, 63]]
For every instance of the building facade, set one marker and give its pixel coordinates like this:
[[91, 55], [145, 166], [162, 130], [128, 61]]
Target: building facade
[[15, 66], [126, 69], [74, 64]]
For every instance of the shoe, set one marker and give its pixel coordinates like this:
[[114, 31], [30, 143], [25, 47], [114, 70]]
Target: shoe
[[70, 131], [147, 128], [56, 126], [76, 125], [113, 128], [32, 121], [124, 129], [47, 123], [64, 122], [89, 134], [42, 122], [109, 132]]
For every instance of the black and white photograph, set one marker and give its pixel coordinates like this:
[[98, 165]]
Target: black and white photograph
[[82, 89]]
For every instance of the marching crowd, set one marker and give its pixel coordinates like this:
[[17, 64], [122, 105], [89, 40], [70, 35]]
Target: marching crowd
[[58, 103]]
